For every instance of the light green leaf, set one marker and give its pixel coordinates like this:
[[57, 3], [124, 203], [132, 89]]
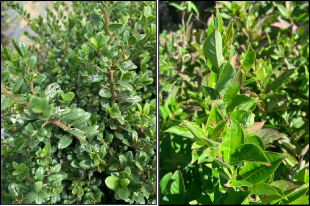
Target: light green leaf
[[227, 75], [249, 153], [181, 131], [260, 23], [212, 48], [199, 134], [40, 78], [255, 173], [231, 141], [40, 173], [112, 182], [263, 188], [234, 87], [85, 164], [37, 186], [177, 189], [238, 101], [30, 197], [124, 182], [31, 62], [249, 59], [64, 142], [68, 97], [5, 102], [164, 183], [218, 21], [214, 118], [123, 193]]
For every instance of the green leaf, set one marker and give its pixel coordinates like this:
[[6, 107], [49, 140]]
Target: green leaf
[[236, 198], [85, 164], [234, 87], [211, 92], [19, 142], [268, 135], [274, 85], [124, 182], [77, 133], [5, 102], [238, 101], [255, 173], [16, 46], [260, 23], [231, 141], [96, 19], [30, 197], [133, 99], [248, 119], [82, 120], [218, 130], [23, 48], [132, 41], [56, 177], [249, 153], [249, 59], [31, 62], [214, 118], [40, 173], [115, 26], [94, 43], [181, 131], [123, 193], [212, 48], [238, 183], [263, 188], [17, 86], [68, 97], [35, 104], [199, 134], [164, 183], [177, 189], [105, 93], [218, 21], [5, 75], [227, 75], [112, 182], [193, 192], [37, 186], [14, 191], [283, 11], [40, 78], [254, 140], [64, 142]]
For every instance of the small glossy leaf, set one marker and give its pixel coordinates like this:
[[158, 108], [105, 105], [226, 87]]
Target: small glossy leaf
[[30, 197], [40, 78], [124, 182], [64, 142], [122, 192], [112, 182]]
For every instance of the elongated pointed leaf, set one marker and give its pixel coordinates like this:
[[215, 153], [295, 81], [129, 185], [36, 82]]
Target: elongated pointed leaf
[[234, 87], [261, 23], [212, 48], [214, 118], [231, 141], [227, 75], [274, 85], [185, 132], [254, 140], [164, 183], [199, 134], [269, 135], [211, 92], [255, 173], [238, 183], [218, 130], [256, 127], [177, 189], [249, 153], [218, 21], [249, 59], [238, 101], [263, 188]]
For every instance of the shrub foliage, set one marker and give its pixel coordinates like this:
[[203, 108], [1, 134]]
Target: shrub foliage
[[80, 106]]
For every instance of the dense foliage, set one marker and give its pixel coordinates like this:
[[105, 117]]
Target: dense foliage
[[234, 106], [80, 106]]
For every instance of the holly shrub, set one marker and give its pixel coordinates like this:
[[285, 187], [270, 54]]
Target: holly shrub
[[80, 106], [234, 106]]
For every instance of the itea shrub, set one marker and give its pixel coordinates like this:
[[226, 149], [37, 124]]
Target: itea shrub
[[230, 128], [80, 106]]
